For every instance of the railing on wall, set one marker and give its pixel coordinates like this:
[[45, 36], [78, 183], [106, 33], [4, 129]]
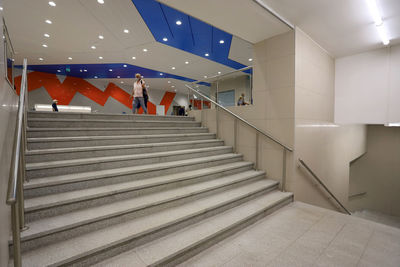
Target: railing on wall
[[258, 132], [15, 193], [316, 178]]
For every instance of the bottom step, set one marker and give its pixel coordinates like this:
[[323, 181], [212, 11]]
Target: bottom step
[[180, 246]]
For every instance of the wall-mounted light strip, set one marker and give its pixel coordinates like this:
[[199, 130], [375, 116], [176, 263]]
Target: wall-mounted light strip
[[376, 16]]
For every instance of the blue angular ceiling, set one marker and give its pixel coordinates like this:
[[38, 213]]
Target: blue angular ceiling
[[192, 35]]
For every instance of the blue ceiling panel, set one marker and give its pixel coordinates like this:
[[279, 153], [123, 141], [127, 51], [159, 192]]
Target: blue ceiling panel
[[192, 35]]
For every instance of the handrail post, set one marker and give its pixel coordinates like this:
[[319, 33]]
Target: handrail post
[[20, 196], [257, 149], [201, 112], [283, 187], [235, 129], [16, 235]]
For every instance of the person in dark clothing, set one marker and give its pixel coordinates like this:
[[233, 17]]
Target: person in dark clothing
[[54, 105]]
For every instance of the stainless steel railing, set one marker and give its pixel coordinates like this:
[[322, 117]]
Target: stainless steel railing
[[324, 186], [256, 129], [15, 193]]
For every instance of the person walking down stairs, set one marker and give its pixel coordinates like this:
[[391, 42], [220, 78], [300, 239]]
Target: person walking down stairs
[[139, 86]]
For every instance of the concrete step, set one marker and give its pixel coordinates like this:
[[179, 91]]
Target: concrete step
[[88, 248], [64, 132], [115, 123], [179, 246], [64, 225], [85, 141], [105, 116], [70, 182], [55, 154], [63, 167]]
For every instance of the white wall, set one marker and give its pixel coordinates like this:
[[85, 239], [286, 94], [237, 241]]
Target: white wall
[[378, 172], [326, 147], [367, 87], [8, 112]]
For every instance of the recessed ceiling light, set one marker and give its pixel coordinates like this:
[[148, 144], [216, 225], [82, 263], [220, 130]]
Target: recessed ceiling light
[[161, 74], [165, 39], [100, 1], [85, 70], [80, 70], [173, 86], [44, 45], [178, 22], [126, 31], [221, 41], [173, 68], [145, 50], [169, 81], [205, 76], [95, 77], [58, 70], [1, 8], [93, 47], [46, 35], [101, 37], [250, 59], [51, 3], [206, 54], [70, 58], [110, 70], [219, 72], [122, 82], [48, 21], [186, 62], [100, 57], [118, 76], [125, 66], [133, 57]]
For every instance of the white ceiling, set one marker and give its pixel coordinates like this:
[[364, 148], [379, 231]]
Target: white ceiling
[[342, 27], [77, 25], [242, 18]]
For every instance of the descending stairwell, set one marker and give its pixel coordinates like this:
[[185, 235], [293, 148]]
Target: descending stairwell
[[160, 187]]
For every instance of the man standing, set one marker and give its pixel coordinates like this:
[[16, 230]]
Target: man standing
[[137, 94]]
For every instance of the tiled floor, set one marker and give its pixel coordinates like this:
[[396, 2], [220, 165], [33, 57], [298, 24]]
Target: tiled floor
[[305, 235], [379, 217]]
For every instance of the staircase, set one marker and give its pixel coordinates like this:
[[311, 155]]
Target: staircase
[[158, 188]]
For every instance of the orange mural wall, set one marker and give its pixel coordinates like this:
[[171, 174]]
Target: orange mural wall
[[66, 90]]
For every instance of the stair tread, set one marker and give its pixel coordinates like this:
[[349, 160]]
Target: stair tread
[[136, 136], [76, 195], [51, 224], [94, 160], [114, 147], [39, 129], [169, 246], [70, 178], [111, 120], [117, 234]]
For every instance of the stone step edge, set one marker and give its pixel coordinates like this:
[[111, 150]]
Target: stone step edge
[[93, 175], [110, 120], [39, 129]]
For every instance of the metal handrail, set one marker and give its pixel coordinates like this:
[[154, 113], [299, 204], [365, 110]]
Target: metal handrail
[[241, 119], [222, 75], [15, 195], [324, 186], [357, 195]]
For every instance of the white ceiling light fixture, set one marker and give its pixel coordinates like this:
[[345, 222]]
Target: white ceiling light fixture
[[145, 50], [41, 59], [169, 81], [165, 39], [46, 35], [205, 76], [100, 57], [110, 70], [173, 68], [70, 58], [1, 8], [118, 76], [133, 57], [219, 72], [95, 77], [186, 62], [250, 59], [85, 70], [122, 82], [44, 45], [80, 71], [126, 31], [101, 37], [221, 41], [51, 3], [173, 86], [161, 74], [93, 47], [48, 21], [100, 1], [178, 22], [376, 16], [58, 70], [125, 66], [206, 54]]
